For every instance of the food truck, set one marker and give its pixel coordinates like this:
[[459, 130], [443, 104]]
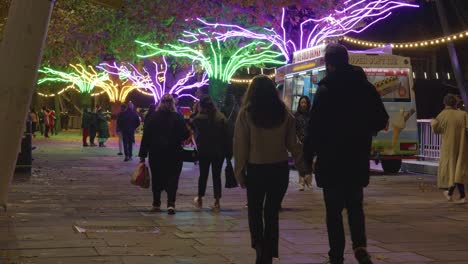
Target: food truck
[[391, 76]]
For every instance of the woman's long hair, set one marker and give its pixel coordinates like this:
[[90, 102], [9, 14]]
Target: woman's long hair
[[263, 103], [167, 103], [299, 108]]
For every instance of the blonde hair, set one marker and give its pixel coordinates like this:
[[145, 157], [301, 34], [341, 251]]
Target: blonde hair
[[167, 103]]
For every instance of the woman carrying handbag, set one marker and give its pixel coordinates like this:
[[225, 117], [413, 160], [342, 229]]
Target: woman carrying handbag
[[163, 135]]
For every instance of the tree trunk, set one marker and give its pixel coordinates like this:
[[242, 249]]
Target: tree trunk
[[217, 92], [20, 54], [86, 101], [58, 113], [115, 110]]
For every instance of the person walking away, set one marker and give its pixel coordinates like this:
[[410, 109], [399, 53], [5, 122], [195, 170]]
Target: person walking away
[[342, 147], [162, 139], [85, 126], [264, 133], [211, 137], [93, 122], [453, 164], [102, 128], [34, 121], [127, 123], [53, 130], [46, 114], [123, 107], [302, 120], [149, 112]]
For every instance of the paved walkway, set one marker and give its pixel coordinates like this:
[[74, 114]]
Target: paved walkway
[[79, 207]]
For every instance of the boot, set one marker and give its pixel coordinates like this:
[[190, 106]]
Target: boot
[[362, 256]]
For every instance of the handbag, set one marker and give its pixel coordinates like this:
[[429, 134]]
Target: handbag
[[229, 174], [141, 176]]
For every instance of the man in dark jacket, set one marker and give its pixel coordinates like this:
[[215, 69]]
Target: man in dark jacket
[[127, 123], [347, 111]]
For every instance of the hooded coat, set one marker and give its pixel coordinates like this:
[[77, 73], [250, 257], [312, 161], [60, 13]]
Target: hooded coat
[[347, 111]]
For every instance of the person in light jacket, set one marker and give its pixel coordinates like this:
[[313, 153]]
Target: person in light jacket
[[453, 164], [264, 133]]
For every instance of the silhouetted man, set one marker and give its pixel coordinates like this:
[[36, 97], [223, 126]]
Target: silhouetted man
[[127, 123], [347, 111]]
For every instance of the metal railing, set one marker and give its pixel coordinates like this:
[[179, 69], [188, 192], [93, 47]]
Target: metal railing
[[429, 142]]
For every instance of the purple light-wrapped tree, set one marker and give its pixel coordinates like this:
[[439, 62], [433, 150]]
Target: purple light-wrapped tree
[[155, 79], [352, 16]]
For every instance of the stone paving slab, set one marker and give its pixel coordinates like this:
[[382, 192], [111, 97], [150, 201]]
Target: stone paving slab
[[408, 220]]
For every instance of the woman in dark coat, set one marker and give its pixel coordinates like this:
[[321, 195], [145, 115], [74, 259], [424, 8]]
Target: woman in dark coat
[[163, 134], [302, 116], [211, 136]]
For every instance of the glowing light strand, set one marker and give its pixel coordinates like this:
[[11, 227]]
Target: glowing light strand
[[340, 23], [144, 83], [213, 63], [416, 44], [84, 78]]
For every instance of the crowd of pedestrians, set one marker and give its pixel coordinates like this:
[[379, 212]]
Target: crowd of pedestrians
[[264, 134]]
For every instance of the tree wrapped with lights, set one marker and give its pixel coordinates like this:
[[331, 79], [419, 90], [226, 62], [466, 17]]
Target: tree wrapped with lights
[[220, 59], [85, 78], [349, 17], [155, 80]]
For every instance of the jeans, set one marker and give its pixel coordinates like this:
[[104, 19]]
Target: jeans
[[127, 139], [461, 190], [336, 199], [216, 163], [266, 187], [165, 173]]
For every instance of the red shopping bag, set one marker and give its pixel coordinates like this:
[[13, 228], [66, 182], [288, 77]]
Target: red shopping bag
[[140, 176]]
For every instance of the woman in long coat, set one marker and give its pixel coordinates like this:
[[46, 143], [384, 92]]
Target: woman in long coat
[[453, 164], [162, 139]]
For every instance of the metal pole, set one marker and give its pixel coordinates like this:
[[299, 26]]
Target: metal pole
[[453, 53]]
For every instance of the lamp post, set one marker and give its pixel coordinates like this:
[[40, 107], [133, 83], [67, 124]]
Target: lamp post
[[453, 53]]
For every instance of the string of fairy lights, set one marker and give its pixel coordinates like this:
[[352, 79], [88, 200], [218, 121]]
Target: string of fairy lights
[[411, 45]]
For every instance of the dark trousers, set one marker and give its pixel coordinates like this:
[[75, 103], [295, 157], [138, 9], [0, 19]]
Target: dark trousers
[[266, 186], [336, 199], [165, 173], [127, 139], [46, 130], [85, 136], [461, 190], [216, 163], [92, 134]]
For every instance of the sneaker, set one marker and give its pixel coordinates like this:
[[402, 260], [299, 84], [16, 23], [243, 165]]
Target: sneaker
[[449, 197], [362, 256], [301, 184], [93, 145], [126, 159], [171, 211], [120, 153], [198, 202], [461, 201], [155, 209]]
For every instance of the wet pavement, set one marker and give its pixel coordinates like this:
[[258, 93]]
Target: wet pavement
[[78, 206]]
